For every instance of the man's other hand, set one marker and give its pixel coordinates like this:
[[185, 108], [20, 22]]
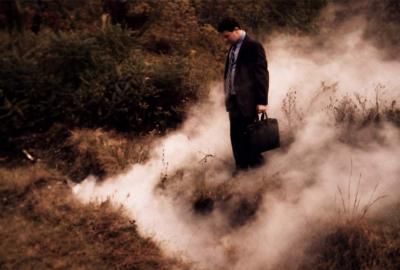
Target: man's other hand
[[261, 108]]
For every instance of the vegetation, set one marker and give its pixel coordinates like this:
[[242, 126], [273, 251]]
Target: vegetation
[[136, 80], [43, 227], [97, 80], [85, 98], [264, 16], [364, 245]]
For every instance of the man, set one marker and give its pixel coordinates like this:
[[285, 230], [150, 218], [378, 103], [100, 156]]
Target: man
[[246, 80]]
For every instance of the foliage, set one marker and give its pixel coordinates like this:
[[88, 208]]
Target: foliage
[[139, 80], [263, 16], [352, 111], [90, 79]]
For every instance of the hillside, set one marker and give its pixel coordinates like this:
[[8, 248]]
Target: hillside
[[109, 160]]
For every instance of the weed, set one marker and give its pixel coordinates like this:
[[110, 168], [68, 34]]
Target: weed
[[43, 226]]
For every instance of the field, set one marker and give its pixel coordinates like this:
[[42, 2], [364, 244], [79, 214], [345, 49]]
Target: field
[[115, 152]]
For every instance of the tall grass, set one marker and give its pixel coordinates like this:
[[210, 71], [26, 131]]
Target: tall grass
[[347, 110], [42, 226]]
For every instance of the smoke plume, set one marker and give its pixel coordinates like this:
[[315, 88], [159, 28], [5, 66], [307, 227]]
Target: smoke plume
[[265, 218]]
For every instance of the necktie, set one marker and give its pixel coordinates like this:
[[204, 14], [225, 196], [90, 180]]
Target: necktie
[[231, 64], [232, 57]]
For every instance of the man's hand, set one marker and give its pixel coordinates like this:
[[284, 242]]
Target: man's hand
[[261, 108]]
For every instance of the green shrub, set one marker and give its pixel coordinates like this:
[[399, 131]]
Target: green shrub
[[138, 80], [135, 95], [262, 16], [90, 79]]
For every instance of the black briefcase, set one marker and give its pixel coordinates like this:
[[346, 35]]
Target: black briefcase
[[263, 134]]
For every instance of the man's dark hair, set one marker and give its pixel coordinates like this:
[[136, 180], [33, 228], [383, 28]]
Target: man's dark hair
[[228, 24]]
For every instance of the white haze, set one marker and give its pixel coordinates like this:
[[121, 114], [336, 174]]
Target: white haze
[[309, 171]]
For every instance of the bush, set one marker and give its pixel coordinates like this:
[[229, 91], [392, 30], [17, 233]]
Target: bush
[[263, 16], [138, 80], [135, 95], [90, 79]]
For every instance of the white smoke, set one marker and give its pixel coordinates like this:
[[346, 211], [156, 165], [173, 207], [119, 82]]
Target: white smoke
[[299, 184]]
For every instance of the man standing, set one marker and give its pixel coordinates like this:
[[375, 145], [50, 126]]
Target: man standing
[[246, 84]]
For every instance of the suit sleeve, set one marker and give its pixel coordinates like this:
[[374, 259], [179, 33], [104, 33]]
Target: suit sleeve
[[261, 76]]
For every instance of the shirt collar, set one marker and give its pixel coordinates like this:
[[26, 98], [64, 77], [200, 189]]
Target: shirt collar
[[238, 44], [242, 36]]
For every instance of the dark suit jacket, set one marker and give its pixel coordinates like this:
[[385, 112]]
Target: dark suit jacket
[[251, 77]]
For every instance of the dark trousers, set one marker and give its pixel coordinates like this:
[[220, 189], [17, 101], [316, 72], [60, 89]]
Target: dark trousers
[[245, 156]]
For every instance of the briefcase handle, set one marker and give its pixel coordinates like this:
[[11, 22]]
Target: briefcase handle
[[264, 116]]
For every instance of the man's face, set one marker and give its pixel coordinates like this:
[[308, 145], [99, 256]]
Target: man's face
[[232, 37]]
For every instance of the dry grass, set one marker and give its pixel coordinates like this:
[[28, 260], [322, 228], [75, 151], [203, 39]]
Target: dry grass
[[354, 111], [105, 153], [370, 244], [43, 227], [353, 239], [80, 152], [351, 207]]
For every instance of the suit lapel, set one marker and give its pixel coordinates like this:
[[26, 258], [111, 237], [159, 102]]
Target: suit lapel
[[226, 64]]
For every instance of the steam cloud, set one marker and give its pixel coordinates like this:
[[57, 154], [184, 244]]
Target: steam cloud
[[299, 184]]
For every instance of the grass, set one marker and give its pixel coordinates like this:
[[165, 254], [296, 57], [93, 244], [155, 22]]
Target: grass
[[42, 226], [80, 152], [50, 229], [353, 111], [373, 243], [353, 239], [350, 208], [117, 75], [108, 152]]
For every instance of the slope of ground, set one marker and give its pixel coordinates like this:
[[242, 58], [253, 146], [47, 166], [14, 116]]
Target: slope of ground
[[43, 227]]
